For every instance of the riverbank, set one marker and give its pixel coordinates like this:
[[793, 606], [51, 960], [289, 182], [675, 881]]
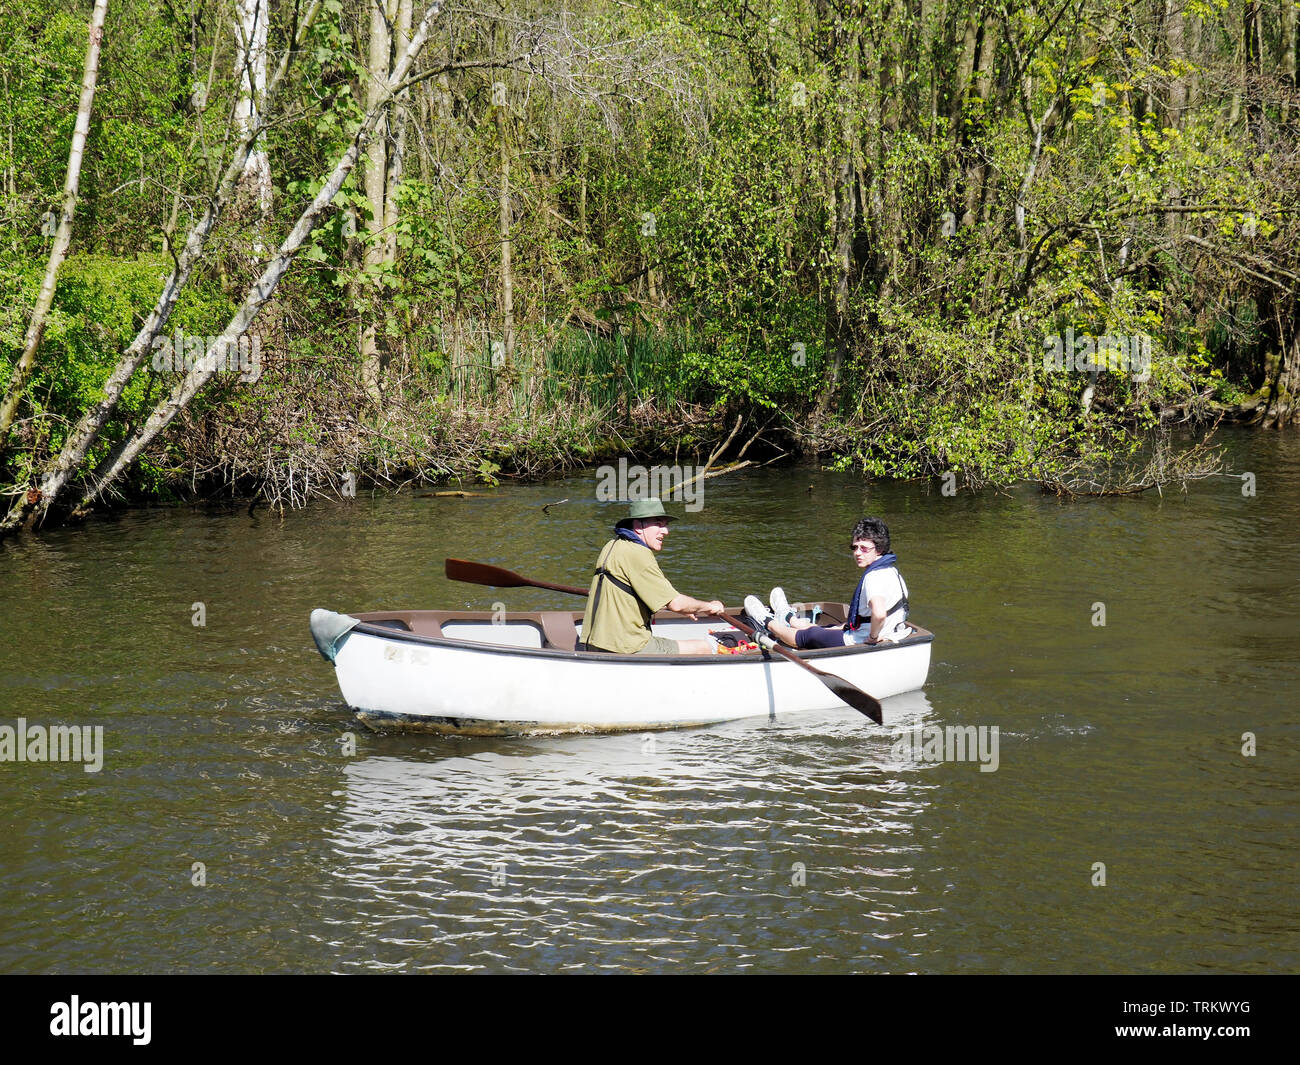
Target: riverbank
[[289, 416]]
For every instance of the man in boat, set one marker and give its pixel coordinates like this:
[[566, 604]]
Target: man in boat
[[878, 613], [629, 587]]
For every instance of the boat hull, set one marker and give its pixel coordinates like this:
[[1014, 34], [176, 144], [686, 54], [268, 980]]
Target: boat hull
[[412, 681]]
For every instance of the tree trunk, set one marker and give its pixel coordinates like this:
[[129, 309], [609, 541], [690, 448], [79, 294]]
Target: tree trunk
[[1289, 67], [977, 169], [83, 436], [378, 65], [1250, 68], [1283, 385], [390, 32], [1038, 129], [582, 190], [265, 286], [843, 36], [1194, 53], [63, 236], [507, 271], [965, 68], [1175, 22], [250, 72], [11, 185], [1176, 56], [399, 115]]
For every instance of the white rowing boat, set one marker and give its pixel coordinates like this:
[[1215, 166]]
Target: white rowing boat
[[480, 674]]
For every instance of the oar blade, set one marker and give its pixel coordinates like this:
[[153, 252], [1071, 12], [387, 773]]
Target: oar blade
[[457, 569], [855, 697]]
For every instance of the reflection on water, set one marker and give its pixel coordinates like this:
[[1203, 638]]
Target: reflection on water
[[641, 849]]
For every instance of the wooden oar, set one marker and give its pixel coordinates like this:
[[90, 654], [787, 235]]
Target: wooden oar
[[478, 573]]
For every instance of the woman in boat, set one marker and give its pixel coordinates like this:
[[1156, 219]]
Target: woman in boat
[[629, 587], [880, 600]]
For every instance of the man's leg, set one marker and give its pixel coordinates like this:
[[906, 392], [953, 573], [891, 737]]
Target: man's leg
[[661, 645]]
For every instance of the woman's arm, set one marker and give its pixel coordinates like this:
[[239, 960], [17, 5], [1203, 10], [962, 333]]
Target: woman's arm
[[879, 609]]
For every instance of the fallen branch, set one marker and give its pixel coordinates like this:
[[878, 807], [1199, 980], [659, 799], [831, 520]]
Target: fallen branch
[[1162, 468]]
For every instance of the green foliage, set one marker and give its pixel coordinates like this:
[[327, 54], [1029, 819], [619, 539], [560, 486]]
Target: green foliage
[[39, 66], [768, 209], [98, 308]]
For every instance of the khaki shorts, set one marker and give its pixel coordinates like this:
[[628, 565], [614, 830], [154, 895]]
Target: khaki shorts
[[660, 645]]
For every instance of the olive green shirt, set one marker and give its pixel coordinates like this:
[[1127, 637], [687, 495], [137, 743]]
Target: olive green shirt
[[622, 622]]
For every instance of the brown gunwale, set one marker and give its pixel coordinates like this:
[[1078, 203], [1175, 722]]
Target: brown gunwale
[[369, 627]]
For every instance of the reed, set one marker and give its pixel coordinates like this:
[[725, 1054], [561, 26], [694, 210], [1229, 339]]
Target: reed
[[577, 372]]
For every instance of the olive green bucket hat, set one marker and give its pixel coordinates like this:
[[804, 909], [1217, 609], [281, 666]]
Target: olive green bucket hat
[[643, 510]]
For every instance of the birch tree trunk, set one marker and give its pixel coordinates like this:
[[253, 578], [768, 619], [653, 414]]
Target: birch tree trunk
[[250, 72], [398, 120], [399, 116], [1038, 128], [63, 236], [87, 430], [265, 285]]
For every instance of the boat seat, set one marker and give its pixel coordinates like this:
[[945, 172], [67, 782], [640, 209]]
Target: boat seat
[[423, 626], [559, 629]]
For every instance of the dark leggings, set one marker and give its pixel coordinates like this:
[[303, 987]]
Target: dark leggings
[[819, 636]]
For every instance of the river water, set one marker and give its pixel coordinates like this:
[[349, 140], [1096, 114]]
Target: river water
[[1141, 818]]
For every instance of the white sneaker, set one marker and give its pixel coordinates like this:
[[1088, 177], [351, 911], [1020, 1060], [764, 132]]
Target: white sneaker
[[758, 613], [781, 606]]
